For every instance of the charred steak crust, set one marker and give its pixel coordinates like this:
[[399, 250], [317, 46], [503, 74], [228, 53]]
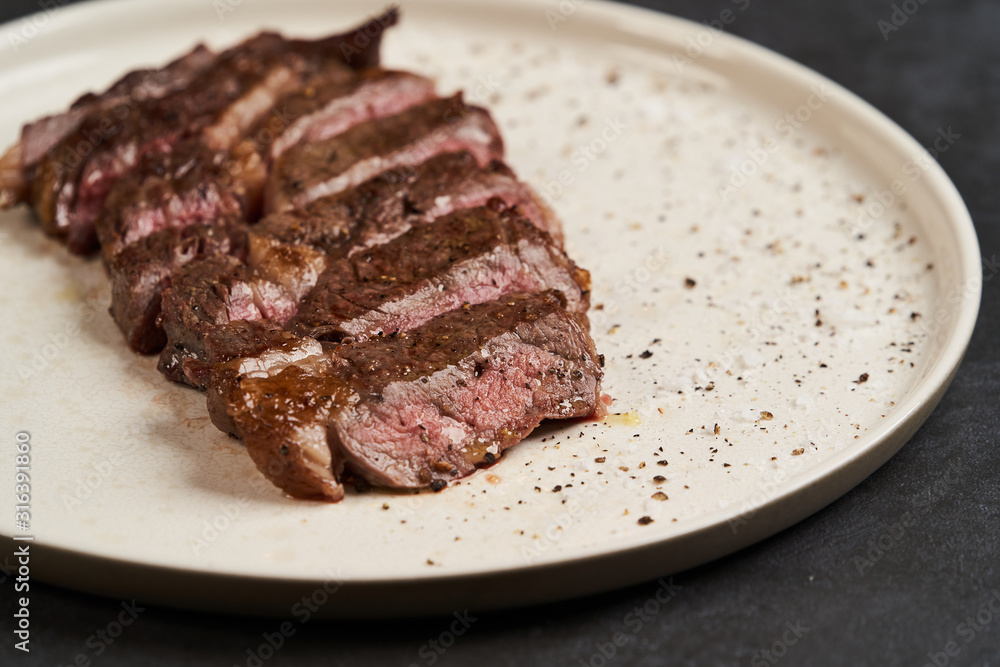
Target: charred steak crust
[[464, 258], [412, 410]]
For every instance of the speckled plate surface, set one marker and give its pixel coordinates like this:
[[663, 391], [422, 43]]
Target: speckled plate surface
[[784, 284]]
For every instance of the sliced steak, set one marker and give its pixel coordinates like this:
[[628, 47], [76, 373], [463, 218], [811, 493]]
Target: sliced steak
[[214, 291], [468, 257], [283, 274], [320, 112], [39, 137], [187, 186], [73, 180], [262, 347], [219, 105], [202, 296], [141, 272], [414, 410], [388, 205], [309, 171]]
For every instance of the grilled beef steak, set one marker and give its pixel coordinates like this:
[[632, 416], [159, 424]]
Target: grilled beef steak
[[18, 165], [468, 257], [389, 204], [409, 411], [141, 272], [337, 256], [312, 170], [217, 104]]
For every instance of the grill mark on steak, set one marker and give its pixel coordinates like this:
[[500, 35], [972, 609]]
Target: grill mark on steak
[[416, 410], [468, 257], [309, 171]]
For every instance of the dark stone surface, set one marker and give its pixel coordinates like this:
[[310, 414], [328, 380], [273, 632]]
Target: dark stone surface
[[941, 69]]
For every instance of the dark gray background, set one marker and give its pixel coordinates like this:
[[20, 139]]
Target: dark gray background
[[942, 68]]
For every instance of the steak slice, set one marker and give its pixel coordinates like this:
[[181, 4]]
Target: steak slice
[[464, 258], [414, 410], [202, 296], [187, 186], [309, 171], [468, 257], [214, 291], [73, 180], [219, 106], [141, 272], [389, 204], [17, 166], [39, 137], [319, 112], [261, 347]]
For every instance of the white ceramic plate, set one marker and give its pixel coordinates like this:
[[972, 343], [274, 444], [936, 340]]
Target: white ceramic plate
[[803, 274]]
